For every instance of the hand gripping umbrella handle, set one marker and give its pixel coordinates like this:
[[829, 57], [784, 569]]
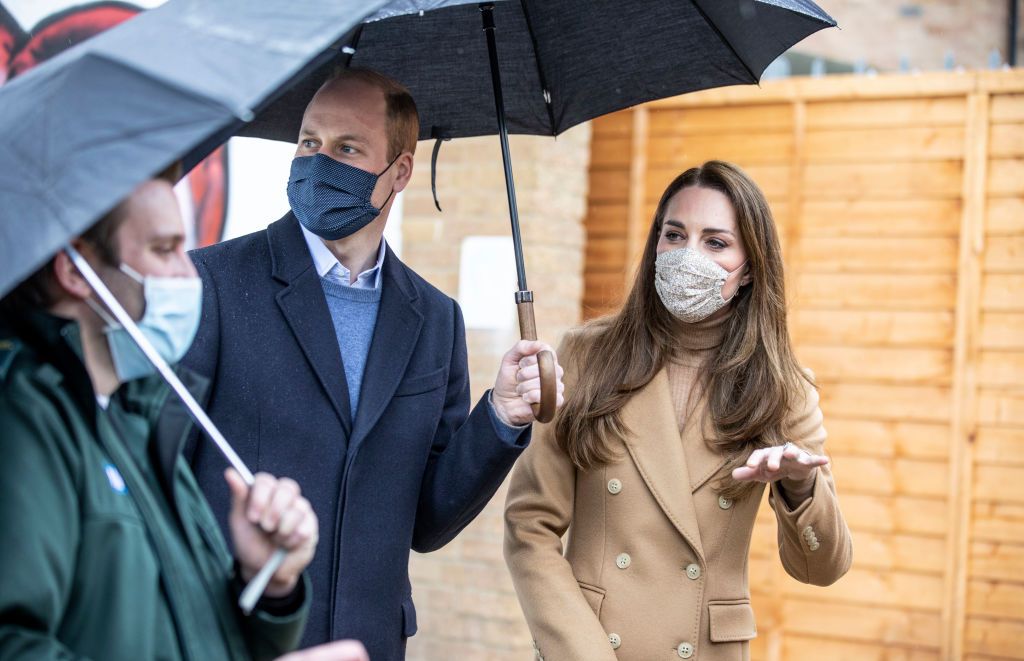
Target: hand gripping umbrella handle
[[252, 592], [545, 410]]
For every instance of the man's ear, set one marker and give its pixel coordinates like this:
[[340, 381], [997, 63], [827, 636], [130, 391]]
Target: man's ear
[[69, 281], [403, 170]]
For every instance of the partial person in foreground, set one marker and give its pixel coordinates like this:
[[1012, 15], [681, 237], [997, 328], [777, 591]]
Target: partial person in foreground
[[111, 552], [683, 406]]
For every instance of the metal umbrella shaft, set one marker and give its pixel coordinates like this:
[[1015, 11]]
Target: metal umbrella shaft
[[252, 592], [545, 410]]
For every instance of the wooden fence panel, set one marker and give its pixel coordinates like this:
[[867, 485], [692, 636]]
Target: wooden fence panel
[[900, 202]]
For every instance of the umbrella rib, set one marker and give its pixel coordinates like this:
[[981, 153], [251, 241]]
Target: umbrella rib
[[540, 69], [755, 78]]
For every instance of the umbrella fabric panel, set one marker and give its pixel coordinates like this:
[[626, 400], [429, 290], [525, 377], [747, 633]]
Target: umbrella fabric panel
[[761, 31], [92, 119], [448, 72], [587, 59]]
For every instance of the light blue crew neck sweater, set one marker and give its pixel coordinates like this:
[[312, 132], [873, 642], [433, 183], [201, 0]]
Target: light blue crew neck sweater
[[354, 313]]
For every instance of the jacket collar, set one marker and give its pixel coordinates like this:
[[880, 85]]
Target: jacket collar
[[673, 466]]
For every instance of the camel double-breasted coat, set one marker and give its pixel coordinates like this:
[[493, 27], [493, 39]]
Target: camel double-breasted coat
[[654, 565]]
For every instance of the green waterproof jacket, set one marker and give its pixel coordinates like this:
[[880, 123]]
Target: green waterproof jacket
[[109, 549]]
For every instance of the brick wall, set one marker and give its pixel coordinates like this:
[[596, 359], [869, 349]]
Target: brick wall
[[465, 602], [880, 33]]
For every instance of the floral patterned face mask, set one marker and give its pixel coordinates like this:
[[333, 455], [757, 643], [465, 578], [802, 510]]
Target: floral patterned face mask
[[690, 284]]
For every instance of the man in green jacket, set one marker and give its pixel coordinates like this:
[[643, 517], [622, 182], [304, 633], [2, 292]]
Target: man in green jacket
[[110, 550]]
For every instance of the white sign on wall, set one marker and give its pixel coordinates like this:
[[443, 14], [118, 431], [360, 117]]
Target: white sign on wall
[[487, 282]]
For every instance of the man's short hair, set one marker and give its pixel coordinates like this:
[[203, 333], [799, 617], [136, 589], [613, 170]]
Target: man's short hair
[[403, 120]]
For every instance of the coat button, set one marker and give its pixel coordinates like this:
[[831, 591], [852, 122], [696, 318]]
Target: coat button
[[615, 640], [614, 486], [623, 560], [724, 503], [685, 650], [693, 572]]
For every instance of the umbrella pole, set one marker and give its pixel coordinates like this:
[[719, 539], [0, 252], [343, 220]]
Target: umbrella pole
[[545, 410], [252, 592]]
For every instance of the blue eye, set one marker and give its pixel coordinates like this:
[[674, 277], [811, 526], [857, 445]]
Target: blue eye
[[308, 144]]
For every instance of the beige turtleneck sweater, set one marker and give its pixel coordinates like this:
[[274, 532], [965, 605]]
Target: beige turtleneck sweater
[[695, 348]]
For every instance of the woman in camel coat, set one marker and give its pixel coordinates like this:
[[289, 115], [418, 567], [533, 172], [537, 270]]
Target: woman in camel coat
[[681, 408]]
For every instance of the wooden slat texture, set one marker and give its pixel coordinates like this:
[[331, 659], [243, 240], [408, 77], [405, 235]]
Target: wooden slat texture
[[888, 626], [874, 218], [995, 599], [940, 179], [1001, 408], [995, 637], [887, 552], [610, 152], [837, 649], [609, 185], [899, 514], [998, 562], [1005, 215], [1007, 108], [605, 253], [873, 588], [908, 477], [1001, 369], [948, 111], [1003, 484], [615, 124], [884, 402], [902, 365], [888, 440], [1003, 292], [997, 522], [1004, 254], [1002, 330], [1007, 140], [1003, 447], [866, 328], [878, 255], [728, 120], [685, 151], [883, 292], [605, 220], [874, 145], [1006, 176], [773, 179]]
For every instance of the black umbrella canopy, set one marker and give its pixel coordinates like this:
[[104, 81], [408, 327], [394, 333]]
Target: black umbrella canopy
[[81, 131], [563, 62]]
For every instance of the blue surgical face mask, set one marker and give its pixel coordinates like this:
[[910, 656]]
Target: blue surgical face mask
[[330, 198], [170, 322]]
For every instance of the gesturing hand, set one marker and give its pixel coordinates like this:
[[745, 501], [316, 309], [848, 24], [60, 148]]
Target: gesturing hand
[[271, 514], [779, 462], [518, 383]]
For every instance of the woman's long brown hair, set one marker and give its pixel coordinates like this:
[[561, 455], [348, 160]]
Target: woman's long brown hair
[[751, 383]]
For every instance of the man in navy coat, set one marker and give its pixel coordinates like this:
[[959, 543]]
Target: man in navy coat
[[335, 364]]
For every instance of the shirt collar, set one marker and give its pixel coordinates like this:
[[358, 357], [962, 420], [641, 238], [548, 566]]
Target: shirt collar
[[324, 261]]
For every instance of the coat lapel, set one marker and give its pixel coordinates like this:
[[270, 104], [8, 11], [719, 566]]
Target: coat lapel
[[394, 338], [304, 307], [655, 446], [703, 462]]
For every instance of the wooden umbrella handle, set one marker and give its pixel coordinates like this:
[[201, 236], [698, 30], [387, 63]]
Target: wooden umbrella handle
[[545, 411]]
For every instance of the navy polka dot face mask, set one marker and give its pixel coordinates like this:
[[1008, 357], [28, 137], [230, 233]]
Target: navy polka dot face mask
[[330, 198]]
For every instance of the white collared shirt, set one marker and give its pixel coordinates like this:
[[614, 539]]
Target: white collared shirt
[[328, 266]]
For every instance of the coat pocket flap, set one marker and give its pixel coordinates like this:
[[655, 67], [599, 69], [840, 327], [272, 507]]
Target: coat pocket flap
[[420, 383], [731, 621]]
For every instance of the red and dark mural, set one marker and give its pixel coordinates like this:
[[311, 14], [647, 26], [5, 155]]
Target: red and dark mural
[[23, 47]]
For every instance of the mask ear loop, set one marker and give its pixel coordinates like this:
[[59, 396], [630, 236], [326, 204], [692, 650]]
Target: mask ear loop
[[738, 287], [388, 198]]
